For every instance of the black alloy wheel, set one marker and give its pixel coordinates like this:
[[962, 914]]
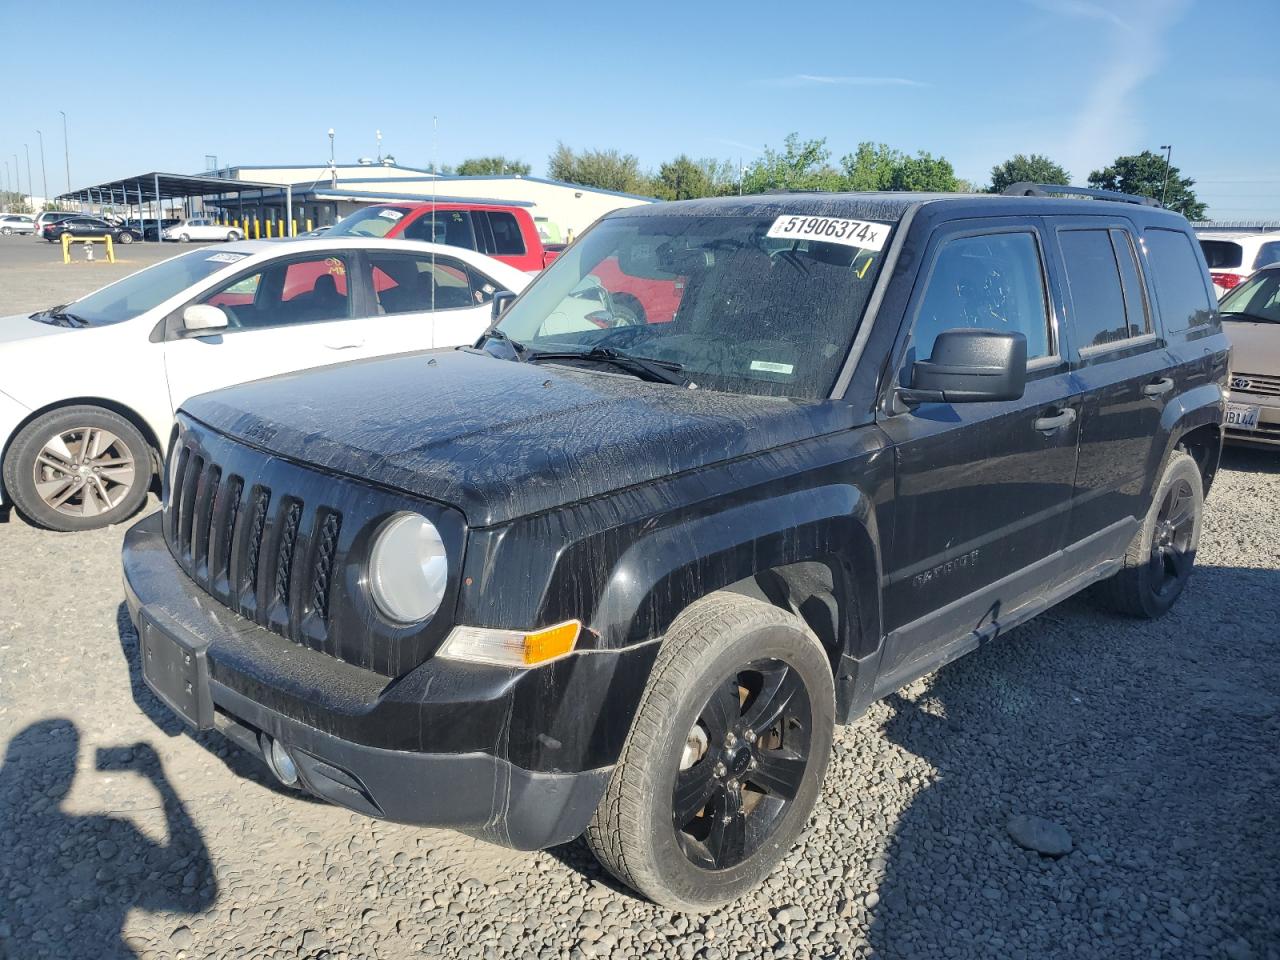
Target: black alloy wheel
[[1172, 554], [743, 763]]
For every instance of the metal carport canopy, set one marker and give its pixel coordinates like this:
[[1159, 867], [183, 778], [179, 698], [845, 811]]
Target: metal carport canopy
[[156, 187]]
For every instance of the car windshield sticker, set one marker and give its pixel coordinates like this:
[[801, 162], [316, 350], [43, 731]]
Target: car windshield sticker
[[864, 234], [226, 257], [768, 366], [390, 214]]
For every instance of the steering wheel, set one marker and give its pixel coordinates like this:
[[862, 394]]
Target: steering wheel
[[234, 321]]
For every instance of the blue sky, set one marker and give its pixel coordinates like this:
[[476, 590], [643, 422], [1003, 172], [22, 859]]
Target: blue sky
[[1080, 80]]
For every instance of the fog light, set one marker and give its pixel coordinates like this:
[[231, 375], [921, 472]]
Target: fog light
[[282, 764]]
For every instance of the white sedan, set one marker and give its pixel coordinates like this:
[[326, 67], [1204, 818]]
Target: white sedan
[[88, 389], [201, 229]]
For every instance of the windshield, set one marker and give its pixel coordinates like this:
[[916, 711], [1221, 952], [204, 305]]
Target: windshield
[[375, 221], [147, 288], [1258, 298], [729, 301]]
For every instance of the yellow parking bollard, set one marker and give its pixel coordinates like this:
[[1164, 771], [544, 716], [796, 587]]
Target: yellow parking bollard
[[293, 228], [308, 224], [256, 235], [88, 242]]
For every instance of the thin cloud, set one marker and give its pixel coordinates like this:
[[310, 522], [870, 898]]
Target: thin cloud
[[738, 145], [1081, 9], [1107, 122], [819, 80]]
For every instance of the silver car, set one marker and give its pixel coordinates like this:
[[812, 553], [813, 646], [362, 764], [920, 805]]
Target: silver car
[[11, 223], [1251, 321]]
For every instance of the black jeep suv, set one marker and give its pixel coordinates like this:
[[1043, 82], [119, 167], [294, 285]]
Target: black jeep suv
[[725, 473]]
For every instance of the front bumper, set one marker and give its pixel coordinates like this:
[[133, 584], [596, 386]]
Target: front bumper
[[517, 757], [1267, 433]]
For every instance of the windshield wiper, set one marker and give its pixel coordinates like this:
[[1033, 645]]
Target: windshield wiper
[[655, 371], [518, 348], [60, 317]]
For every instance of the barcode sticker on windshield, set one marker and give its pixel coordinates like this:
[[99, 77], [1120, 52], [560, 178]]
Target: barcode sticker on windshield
[[390, 214], [864, 234], [226, 257]]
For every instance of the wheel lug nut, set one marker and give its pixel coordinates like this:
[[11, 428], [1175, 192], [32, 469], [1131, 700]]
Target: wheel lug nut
[[749, 736], [721, 770]]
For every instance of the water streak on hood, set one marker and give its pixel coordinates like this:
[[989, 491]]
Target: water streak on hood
[[500, 439]]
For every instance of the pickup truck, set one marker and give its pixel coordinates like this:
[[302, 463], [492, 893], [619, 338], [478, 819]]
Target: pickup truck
[[506, 233]]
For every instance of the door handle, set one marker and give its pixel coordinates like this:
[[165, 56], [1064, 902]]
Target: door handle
[[1057, 421], [1157, 388]]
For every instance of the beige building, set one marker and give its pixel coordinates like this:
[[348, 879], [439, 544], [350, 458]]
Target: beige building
[[322, 195]]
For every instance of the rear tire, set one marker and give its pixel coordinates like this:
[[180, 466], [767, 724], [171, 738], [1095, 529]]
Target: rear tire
[[694, 817], [126, 238], [185, 238], [43, 475], [1161, 555], [6, 231]]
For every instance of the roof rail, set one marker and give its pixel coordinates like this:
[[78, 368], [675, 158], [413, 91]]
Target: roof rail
[[1025, 189]]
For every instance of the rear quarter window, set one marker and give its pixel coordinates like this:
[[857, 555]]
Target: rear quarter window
[[1181, 293], [1222, 254], [1268, 254], [506, 234]]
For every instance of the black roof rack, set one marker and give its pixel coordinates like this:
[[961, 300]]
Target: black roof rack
[[1048, 189]]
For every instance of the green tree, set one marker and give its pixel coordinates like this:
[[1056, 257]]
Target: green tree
[[482, 166], [870, 167], [799, 166], [926, 172], [1144, 174], [603, 169], [682, 179], [1021, 168]]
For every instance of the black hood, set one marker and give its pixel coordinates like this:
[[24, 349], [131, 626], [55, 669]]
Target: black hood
[[500, 439]]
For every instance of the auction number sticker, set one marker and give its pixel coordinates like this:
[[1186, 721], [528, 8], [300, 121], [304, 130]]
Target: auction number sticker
[[864, 234], [226, 257], [390, 214]]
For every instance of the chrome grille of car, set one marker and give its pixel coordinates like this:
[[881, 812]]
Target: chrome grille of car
[[1267, 386]]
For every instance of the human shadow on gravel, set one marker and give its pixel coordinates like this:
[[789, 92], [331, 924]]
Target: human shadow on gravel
[[1251, 460], [238, 761], [68, 881], [1151, 742]]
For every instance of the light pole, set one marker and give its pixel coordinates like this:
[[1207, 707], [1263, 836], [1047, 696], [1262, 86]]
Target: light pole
[[1168, 159], [30, 186], [333, 166], [17, 179], [44, 179], [66, 150]]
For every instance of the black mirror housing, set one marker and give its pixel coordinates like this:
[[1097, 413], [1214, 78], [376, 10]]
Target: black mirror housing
[[501, 300], [971, 366]]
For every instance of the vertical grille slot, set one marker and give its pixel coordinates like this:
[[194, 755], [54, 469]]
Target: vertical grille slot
[[284, 553], [202, 523], [186, 506], [175, 493], [322, 566], [253, 542], [224, 531]]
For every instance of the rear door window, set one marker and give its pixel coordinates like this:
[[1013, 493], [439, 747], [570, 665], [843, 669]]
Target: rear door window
[[452, 227], [419, 284], [1179, 279], [507, 240], [1098, 313], [1222, 254]]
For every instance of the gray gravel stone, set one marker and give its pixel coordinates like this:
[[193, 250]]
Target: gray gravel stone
[[1043, 836]]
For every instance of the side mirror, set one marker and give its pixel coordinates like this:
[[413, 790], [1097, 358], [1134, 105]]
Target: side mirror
[[201, 318], [970, 366], [498, 306]]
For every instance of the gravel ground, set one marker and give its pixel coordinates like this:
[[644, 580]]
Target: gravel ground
[[1152, 745]]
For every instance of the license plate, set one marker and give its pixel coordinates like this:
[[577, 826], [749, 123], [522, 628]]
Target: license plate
[[1242, 416], [174, 666]]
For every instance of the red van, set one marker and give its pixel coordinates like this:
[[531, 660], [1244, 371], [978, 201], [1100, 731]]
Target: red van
[[506, 233]]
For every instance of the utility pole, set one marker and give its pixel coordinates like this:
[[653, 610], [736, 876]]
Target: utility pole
[[30, 186], [17, 178], [333, 166], [66, 150], [44, 179], [1168, 159]]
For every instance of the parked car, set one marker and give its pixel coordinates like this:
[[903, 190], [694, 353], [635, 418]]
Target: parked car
[[154, 232], [200, 228], [1232, 257], [506, 233], [622, 578], [11, 223], [1251, 319], [89, 388], [46, 217], [87, 227]]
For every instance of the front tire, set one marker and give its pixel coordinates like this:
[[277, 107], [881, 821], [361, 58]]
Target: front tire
[[232, 236], [184, 237], [1161, 555], [78, 468], [126, 238], [6, 231], [725, 758]]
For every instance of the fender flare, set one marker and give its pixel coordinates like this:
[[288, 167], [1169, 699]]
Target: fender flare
[[1201, 406], [659, 575]]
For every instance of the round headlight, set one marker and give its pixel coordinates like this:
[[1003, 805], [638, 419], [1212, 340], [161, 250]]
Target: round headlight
[[408, 568]]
